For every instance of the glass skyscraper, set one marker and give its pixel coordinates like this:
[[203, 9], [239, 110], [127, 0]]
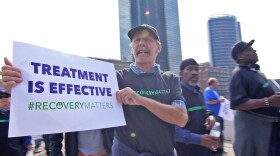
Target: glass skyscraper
[[163, 15], [224, 32]]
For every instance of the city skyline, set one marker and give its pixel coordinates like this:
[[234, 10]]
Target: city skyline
[[34, 22], [258, 20]]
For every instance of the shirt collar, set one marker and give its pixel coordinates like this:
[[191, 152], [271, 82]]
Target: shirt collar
[[138, 71], [4, 111], [194, 89], [254, 67]]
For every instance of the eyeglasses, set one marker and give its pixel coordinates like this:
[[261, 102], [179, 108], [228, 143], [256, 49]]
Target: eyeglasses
[[145, 40], [7, 96]]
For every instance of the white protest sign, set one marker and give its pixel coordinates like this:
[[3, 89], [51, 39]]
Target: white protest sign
[[62, 93], [225, 112]]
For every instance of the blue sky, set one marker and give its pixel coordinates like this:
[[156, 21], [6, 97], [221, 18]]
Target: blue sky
[[67, 26]]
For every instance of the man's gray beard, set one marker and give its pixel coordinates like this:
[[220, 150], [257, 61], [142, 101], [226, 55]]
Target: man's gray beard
[[193, 84]]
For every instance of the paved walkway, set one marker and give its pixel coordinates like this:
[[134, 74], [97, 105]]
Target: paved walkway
[[228, 148]]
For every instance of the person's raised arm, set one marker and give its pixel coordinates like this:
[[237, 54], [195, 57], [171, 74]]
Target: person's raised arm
[[11, 75]]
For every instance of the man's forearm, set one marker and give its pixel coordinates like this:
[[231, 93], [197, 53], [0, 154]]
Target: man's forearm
[[168, 113]]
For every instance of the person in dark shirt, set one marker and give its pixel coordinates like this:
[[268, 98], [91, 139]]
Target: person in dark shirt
[[14, 146], [194, 139], [151, 98], [256, 122]]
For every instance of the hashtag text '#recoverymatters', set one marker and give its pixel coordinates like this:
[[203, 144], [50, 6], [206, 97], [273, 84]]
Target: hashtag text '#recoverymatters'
[[68, 105]]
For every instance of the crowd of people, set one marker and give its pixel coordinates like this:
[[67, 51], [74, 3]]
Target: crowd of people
[[175, 122]]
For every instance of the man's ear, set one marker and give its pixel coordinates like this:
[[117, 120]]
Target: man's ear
[[159, 48]]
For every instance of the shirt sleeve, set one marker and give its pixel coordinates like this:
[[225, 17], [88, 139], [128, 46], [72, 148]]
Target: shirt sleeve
[[179, 103], [27, 141], [238, 93], [209, 95], [176, 90], [187, 137]]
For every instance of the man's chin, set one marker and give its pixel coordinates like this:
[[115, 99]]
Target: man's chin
[[193, 83]]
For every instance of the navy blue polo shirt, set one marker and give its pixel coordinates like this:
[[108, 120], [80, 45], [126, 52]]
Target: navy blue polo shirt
[[248, 84]]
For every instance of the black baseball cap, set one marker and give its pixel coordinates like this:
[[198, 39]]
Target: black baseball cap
[[239, 47], [187, 62], [142, 27]]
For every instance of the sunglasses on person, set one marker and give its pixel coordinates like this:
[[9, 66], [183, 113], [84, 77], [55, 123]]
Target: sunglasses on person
[[5, 96]]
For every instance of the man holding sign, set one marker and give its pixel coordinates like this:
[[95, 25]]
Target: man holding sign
[[152, 100]]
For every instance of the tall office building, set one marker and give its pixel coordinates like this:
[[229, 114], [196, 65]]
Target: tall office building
[[224, 32], [163, 15]]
